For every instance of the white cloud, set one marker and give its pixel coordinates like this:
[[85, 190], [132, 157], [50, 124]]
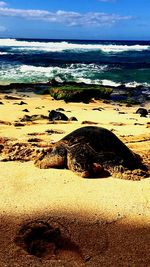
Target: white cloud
[[3, 4], [69, 18]]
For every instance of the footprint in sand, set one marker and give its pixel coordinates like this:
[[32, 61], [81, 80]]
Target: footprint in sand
[[42, 240]]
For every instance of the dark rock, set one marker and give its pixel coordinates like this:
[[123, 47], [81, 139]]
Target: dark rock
[[73, 119], [60, 109], [22, 103], [56, 115], [25, 110], [129, 105], [1, 148], [5, 122], [99, 109], [35, 134], [136, 123], [19, 124], [54, 132], [26, 118], [1, 103], [34, 140], [148, 125], [122, 112], [106, 101], [54, 82], [9, 97], [142, 111], [89, 122], [78, 93]]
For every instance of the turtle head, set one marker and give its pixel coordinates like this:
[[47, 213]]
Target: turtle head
[[94, 170], [86, 169], [81, 160]]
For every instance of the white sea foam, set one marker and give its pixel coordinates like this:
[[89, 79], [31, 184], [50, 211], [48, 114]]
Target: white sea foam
[[123, 48], [27, 68], [64, 46], [73, 69], [74, 72], [135, 84], [3, 53], [132, 84], [110, 83]]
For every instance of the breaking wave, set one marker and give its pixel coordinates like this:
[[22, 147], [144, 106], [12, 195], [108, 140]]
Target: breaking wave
[[65, 46], [28, 73], [92, 62], [68, 68], [73, 72]]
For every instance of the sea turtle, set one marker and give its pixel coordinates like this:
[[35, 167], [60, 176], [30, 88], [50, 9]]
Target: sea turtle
[[93, 151]]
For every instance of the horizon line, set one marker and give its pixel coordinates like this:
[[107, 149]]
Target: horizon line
[[75, 39]]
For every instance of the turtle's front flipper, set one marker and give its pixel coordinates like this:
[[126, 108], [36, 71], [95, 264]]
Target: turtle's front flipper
[[55, 159]]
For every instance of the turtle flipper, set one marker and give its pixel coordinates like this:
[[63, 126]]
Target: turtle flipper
[[55, 159]]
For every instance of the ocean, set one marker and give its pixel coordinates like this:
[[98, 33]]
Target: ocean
[[92, 62]]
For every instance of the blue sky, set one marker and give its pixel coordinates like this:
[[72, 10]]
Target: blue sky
[[79, 19]]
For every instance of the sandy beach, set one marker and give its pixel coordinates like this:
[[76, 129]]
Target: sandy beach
[[104, 221]]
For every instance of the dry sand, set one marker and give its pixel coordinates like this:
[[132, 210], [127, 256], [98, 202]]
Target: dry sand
[[106, 221]]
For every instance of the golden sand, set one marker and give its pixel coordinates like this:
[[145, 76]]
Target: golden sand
[[107, 220]]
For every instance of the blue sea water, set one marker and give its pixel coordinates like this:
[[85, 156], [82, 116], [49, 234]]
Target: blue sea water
[[96, 62]]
